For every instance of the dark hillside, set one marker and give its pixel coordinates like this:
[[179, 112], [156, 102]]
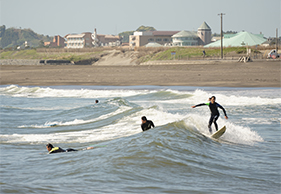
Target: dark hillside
[[13, 37]]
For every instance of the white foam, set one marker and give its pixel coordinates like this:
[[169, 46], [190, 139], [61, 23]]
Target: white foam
[[230, 98], [38, 92], [127, 126], [234, 133]]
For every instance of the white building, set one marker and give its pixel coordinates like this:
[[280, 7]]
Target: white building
[[192, 38], [185, 38], [78, 40]]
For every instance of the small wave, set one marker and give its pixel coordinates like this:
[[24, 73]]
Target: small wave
[[233, 100], [76, 121], [41, 92]]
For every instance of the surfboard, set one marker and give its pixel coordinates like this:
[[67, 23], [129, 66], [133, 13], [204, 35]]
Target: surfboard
[[219, 133]]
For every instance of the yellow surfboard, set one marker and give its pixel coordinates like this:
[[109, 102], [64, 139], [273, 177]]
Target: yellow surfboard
[[219, 133]]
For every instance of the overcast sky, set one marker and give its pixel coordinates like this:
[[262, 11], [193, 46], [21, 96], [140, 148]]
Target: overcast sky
[[61, 17]]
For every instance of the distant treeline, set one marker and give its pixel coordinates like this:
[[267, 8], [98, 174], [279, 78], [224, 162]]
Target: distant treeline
[[12, 37]]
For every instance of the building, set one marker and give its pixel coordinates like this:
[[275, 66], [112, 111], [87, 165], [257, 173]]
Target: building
[[109, 40], [105, 40], [58, 41], [271, 42], [143, 38], [173, 38], [185, 38], [204, 32], [79, 40], [240, 39], [192, 38]]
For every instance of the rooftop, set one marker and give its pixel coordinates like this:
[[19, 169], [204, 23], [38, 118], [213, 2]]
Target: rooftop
[[184, 33], [241, 39], [164, 33], [204, 26]]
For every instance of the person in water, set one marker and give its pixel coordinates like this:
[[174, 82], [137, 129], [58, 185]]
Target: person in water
[[146, 124], [214, 112], [51, 149]]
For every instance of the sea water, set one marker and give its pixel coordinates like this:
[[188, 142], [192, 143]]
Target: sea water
[[177, 156]]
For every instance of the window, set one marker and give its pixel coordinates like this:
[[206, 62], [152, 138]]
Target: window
[[151, 40], [158, 39], [166, 40]]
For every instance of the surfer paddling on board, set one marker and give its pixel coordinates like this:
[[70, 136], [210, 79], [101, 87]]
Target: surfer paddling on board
[[214, 112], [51, 149], [146, 124]]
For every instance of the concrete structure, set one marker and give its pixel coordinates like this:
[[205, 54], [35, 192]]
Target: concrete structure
[[143, 38], [58, 41], [79, 40]]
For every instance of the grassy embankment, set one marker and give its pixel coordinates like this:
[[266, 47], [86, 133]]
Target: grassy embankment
[[144, 54], [52, 55], [188, 53]]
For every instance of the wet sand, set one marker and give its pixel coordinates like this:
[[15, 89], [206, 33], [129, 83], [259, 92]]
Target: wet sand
[[231, 74]]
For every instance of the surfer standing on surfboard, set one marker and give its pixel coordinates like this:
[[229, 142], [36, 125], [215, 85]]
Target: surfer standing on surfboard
[[214, 112]]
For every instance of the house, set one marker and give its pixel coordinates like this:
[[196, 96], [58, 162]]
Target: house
[[79, 40], [58, 41], [192, 38], [143, 38], [185, 38], [271, 42], [105, 40]]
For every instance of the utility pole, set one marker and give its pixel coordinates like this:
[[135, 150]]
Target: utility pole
[[276, 42], [221, 14]]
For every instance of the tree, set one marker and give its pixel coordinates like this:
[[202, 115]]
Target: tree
[[2, 30], [145, 28], [126, 34]]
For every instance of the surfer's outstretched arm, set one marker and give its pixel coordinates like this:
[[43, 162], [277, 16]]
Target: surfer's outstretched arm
[[202, 104]]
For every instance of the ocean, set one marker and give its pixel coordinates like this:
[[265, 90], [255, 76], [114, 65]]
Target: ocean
[[177, 156]]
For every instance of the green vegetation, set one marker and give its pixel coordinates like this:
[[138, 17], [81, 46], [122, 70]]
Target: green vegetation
[[126, 34], [189, 53], [143, 54], [145, 28], [33, 54], [12, 38]]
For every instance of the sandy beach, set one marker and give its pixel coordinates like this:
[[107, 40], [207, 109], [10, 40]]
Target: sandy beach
[[220, 74]]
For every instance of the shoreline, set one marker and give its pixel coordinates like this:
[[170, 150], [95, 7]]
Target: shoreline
[[203, 74]]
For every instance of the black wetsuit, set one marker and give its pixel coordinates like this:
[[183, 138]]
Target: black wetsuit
[[58, 150], [147, 125], [214, 113]]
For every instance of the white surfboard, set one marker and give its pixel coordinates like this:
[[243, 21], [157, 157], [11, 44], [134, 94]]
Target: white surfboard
[[219, 133]]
